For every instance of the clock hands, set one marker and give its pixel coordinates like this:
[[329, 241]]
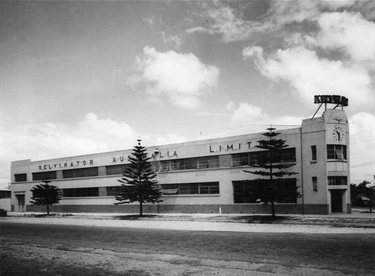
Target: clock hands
[[338, 135]]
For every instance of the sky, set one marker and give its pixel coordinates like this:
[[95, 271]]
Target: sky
[[80, 77]]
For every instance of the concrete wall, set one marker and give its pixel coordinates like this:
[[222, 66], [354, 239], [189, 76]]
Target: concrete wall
[[185, 208]]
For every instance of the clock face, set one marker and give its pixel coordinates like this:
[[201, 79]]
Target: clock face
[[338, 134]]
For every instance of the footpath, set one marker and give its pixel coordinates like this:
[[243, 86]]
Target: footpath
[[356, 223]]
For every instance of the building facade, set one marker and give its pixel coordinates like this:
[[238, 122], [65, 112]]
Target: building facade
[[204, 176]]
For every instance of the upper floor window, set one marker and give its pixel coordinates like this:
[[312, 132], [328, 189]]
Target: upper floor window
[[115, 169], [257, 157], [337, 180], [336, 152], [20, 177], [44, 175], [190, 163], [86, 172], [313, 153]]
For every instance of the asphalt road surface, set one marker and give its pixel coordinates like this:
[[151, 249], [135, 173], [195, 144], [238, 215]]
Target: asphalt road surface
[[41, 249]]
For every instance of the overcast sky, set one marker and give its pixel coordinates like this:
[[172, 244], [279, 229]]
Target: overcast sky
[[86, 77]]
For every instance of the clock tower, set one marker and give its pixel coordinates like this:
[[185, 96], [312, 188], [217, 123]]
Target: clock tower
[[326, 160]]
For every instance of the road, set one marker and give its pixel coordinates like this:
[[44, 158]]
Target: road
[[41, 249]]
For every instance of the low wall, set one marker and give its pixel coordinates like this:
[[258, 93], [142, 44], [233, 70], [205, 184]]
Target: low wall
[[187, 209]]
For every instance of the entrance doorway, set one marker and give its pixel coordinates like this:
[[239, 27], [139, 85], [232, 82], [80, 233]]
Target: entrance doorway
[[336, 201], [20, 207]]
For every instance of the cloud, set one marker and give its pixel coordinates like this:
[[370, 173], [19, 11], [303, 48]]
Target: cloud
[[351, 33], [176, 40], [250, 115], [229, 106], [179, 78], [311, 75], [362, 147], [228, 22], [282, 13], [47, 140]]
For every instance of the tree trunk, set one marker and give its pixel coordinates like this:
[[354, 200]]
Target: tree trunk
[[140, 197], [273, 209], [47, 209]]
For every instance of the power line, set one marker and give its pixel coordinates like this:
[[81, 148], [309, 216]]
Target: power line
[[363, 164]]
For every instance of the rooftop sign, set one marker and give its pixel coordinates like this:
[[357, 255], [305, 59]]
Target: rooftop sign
[[331, 99]]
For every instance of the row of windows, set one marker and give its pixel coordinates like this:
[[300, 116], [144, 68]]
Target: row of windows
[[207, 188], [243, 191], [167, 189], [238, 159], [74, 173]]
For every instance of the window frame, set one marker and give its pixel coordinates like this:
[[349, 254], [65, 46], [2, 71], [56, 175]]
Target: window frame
[[336, 152], [313, 153], [337, 180], [20, 177], [194, 188]]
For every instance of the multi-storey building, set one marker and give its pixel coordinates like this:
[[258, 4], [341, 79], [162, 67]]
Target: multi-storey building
[[204, 176]]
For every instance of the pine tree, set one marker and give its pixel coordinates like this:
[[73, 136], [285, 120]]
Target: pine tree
[[274, 165], [139, 182], [45, 194]]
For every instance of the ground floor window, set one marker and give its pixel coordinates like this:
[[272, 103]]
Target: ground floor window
[[81, 192], [113, 191], [205, 188], [251, 191]]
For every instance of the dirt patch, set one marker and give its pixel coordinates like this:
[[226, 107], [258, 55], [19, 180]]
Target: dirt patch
[[368, 222]]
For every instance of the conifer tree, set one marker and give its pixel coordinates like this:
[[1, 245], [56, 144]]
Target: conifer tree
[[139, 182], [45, 194], [273, 165]]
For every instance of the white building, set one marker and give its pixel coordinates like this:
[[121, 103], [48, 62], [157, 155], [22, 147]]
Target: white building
[[204, 176]]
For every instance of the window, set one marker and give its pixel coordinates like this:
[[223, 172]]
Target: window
[[81, 192], [315, 184], [5, 194], [80, 172], [251, 191], [337, 180], [256, 157], [313, 153], [240, 159], [20, 177], [112, 191], [190, 163], [205, 188], [115, 169], [336, 152], [44, 175]]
